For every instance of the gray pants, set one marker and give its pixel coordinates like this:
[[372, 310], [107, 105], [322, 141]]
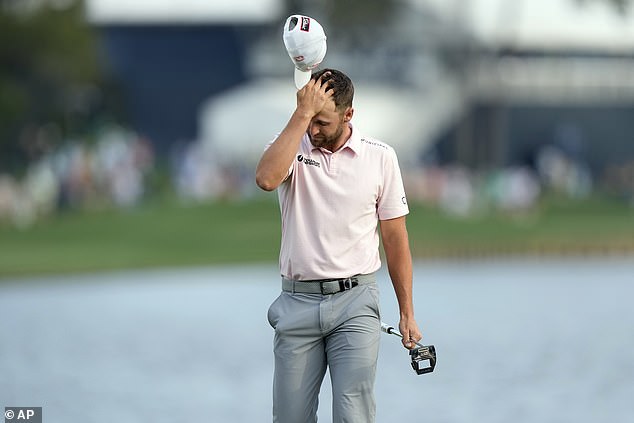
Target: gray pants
[[314, 331]]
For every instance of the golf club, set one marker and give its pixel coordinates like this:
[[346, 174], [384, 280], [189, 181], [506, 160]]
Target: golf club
[[423, 358]]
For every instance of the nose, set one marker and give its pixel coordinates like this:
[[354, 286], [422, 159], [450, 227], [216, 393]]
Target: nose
[[313, 129]]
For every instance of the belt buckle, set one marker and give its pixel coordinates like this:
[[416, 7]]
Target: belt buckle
[[345, 284]]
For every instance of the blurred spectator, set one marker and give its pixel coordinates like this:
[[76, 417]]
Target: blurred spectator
[[563, 173], [77, 178], [618, 180], [123, 160], [8, 197], [514, 189], [457, 195], [42, 187], [197, 176]]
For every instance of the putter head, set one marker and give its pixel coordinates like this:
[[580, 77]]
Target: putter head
[[423, 359]]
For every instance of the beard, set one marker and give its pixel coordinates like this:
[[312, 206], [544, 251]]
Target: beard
[[327, 141]]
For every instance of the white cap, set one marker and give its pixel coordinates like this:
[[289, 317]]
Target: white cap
[[305, 43]]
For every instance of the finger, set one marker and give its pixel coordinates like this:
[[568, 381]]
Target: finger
[[412, 339], [325, 87], [324, 80], [328, 90], [410, 345], [324, 75], [407, 340], [311, 84], [418, 335]]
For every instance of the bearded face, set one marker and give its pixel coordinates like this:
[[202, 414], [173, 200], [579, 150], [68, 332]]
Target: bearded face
[[327, 137], [327, 127]]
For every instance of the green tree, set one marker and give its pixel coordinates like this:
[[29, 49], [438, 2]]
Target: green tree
[[49, 71]]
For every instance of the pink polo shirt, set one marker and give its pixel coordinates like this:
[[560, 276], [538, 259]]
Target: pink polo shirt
[[330, 205]]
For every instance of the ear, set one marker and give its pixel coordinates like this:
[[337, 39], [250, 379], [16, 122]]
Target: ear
[[347, 115]]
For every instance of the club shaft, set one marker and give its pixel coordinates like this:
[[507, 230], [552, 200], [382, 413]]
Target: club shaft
[[390, 330]]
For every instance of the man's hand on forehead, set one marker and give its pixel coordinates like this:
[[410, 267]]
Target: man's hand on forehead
[[312, 98]]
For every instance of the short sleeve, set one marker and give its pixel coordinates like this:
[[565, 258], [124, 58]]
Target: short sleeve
[[290, 169], [392, 202]]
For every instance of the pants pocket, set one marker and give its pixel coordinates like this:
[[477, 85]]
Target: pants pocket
[[273, 315], [375, 303]]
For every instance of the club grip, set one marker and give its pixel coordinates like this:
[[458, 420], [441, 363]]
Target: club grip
[[388, 329]]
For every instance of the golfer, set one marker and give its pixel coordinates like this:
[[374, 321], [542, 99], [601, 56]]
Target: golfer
[[337, 188]]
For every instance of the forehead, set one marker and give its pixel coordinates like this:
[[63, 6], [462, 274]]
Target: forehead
[[329, 112]]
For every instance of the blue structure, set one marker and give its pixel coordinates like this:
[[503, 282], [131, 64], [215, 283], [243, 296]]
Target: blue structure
[[165, 72], [168, 57]]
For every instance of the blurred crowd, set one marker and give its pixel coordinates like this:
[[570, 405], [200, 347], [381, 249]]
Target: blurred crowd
[[199, 174], [114, 170], [461, 191], [111, 171]]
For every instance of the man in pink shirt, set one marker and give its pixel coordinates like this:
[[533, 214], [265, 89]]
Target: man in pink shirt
[[337, 189]]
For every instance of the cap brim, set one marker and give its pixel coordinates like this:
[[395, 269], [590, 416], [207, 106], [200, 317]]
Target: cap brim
[[301, 78]]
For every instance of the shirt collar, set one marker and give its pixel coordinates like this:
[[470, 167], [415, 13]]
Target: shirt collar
[[354, 142]]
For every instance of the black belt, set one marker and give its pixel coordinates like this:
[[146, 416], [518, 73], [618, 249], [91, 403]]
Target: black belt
[[326, 286]]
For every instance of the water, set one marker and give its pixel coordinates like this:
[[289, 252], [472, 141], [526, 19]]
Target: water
[[517, 341]]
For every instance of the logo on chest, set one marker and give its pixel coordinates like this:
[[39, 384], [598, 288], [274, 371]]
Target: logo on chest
[[307, 161]]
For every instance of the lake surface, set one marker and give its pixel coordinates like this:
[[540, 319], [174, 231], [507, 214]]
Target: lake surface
[[517, 340]]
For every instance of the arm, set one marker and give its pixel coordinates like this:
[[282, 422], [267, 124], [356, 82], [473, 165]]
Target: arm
[[276, 160], [399, 263]]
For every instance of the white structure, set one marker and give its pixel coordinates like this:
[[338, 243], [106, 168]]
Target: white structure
[[541, 24], [182, 11]]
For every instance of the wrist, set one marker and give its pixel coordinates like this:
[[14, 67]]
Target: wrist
[[303, 114], [407, 315]]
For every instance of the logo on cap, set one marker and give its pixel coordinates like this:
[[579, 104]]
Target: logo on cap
[[305, 24], [298, 58]]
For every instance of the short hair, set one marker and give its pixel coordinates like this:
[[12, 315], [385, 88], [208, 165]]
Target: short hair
[[341, 84]]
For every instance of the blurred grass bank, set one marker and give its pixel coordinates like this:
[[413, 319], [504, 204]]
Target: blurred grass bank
[[170, 235]]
